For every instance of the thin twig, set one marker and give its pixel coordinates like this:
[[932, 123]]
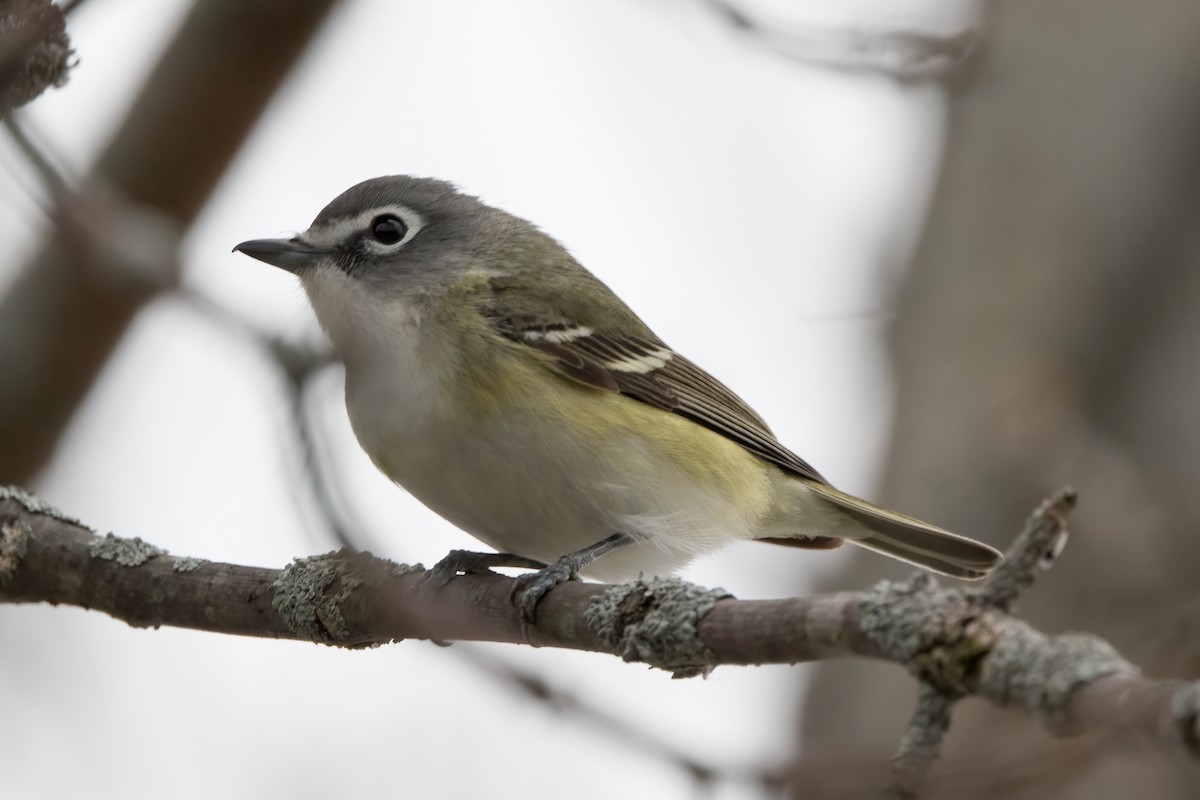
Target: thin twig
[[922, 742], [36, 156], [907, 55]]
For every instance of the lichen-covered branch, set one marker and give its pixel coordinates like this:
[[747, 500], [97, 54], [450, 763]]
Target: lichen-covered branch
[[958, 642], [35, 51]]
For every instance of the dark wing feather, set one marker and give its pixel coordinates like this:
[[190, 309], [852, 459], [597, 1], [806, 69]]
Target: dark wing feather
[[646, 369]]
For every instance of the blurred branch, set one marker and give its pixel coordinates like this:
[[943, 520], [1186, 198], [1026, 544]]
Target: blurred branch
[[619, 728], [46, 172], [70, 305], [1046, 331], [907, 55], [958, 642], [302, 365], [35, 51]]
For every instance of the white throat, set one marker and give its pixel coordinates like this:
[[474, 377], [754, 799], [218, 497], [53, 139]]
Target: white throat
[[395, 375]]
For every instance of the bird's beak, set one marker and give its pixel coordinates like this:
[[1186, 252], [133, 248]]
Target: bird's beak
[[290, 254]]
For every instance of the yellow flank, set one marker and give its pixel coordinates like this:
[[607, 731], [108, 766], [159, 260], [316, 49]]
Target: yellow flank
[[607, 422]]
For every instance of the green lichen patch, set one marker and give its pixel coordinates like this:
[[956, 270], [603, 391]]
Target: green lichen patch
[[309, 594], [655, 621], [126, 552], [14, 540], [36, 505]]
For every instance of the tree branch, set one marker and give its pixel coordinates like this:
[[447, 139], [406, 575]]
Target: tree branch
[[958, 642]]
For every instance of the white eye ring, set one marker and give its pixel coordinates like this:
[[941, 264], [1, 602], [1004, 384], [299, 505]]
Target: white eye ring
[[396, 219]]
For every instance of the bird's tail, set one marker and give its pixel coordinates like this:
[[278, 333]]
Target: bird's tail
[[899, 536]]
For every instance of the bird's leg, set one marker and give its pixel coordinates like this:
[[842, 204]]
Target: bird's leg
[[468, 562], [531, 588]]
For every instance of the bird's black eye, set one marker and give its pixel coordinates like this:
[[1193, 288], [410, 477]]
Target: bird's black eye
[[388, 229]]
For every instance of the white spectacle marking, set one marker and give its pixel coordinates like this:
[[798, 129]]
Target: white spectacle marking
[[558, 337], [641, 364], [339, 230]]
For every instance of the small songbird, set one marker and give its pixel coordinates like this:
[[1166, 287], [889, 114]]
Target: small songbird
[[508, 389]]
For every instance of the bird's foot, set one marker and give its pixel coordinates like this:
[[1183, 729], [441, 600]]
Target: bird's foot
[[533, 586]]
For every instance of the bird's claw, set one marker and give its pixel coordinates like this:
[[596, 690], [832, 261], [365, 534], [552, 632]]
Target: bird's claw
[[532, 587]]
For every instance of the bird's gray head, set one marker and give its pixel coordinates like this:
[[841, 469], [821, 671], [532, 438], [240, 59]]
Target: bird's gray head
[[396, 232], [377, 259]]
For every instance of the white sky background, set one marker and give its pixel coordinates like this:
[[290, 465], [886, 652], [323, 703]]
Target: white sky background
[[753, 210]]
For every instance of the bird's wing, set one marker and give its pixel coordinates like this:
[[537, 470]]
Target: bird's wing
[[644, 368]]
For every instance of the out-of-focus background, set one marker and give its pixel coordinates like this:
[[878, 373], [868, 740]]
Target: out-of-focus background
[[950, 252]]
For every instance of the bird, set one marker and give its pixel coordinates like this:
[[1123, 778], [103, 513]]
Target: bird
[[507, 388]]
